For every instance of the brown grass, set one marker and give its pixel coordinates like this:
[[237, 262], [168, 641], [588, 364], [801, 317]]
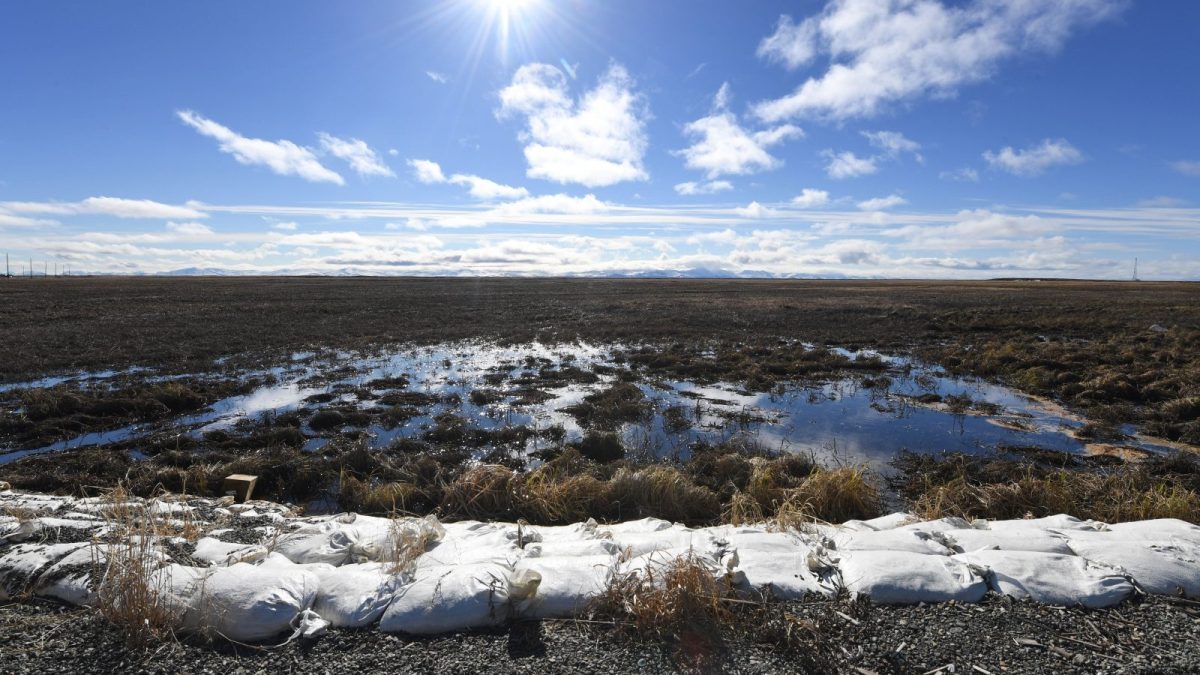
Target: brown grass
[[1120, 496], [129, 594]]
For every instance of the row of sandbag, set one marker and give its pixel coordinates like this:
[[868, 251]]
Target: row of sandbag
[[346, 570]]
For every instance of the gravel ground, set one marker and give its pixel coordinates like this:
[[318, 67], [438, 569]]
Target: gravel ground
[[1154, 635]]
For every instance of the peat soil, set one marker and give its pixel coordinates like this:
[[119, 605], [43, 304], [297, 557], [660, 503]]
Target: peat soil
[[55, 325], [1150, 635]]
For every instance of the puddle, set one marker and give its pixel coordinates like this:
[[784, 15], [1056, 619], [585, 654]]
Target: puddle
[[859, 419]]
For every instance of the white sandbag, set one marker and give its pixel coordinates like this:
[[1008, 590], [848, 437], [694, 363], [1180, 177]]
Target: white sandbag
[[242, 602], [575, 532], [911, 541], [8, 525], [76, 577], [904, 578], [355, 595], [890, 521], [653, 565], [1042, 541], [940, 525], [492, 548], [784, 565], [355, 538], [48, 527], [458, 597], [1059, 522], [327, 542], [558, 548], [1162, 529], [216, 552], [1168, 567], [633, 544], [1051, 578], [631, 526], [21, 565], [567, 585]]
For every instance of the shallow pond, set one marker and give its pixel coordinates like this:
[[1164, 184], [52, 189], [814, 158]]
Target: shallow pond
[[855, 419]]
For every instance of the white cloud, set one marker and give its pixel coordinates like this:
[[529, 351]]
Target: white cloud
[[723, 146], [893, 143], [595, 141], [792, 44], [429, 172], [357, 153], [434, 75], [556, 204], [13, 220], [426, 171], [881, 203], [190, 229], [849, 165], [887, 52], [1186, 167], [487, 190], [286, 227], [110, 206], [755, 210], [1034, 160], [707, 188], [282, 157], [963, 175], [810, 198]]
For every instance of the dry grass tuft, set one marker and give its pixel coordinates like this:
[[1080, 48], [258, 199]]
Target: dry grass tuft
[[1116, 497], [743, 509], [481, 492], [837, 495], [682, 596], [662, 492], [129, 594]]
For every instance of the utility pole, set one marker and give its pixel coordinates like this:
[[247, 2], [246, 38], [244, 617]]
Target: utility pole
[[1135, 277], [7, 271]]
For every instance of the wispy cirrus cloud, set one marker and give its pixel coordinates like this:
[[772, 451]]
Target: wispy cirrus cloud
[[282, 157], [116, 207]]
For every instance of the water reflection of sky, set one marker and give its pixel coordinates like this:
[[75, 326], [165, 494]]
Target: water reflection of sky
[[841, 421]]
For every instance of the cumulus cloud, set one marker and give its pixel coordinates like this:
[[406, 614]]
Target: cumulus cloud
[[810, 198], [711, 187], [1186, 167], [849, 165], [426, 171], [109, 206], [722, 146], [597, 140], [190, 229], [1034, 160], [755, 210], [887, 52], [430, 172], [881, 203], [357, 153], [282, 157], [979, 228], [13, 220]]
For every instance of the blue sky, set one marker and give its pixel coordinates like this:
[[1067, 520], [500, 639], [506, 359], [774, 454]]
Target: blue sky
[[902, 138]]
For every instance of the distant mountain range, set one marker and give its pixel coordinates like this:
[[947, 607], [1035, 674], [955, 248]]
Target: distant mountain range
[[692, 273]]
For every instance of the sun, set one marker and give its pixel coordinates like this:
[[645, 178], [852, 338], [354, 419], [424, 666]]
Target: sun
[[510, 19]]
